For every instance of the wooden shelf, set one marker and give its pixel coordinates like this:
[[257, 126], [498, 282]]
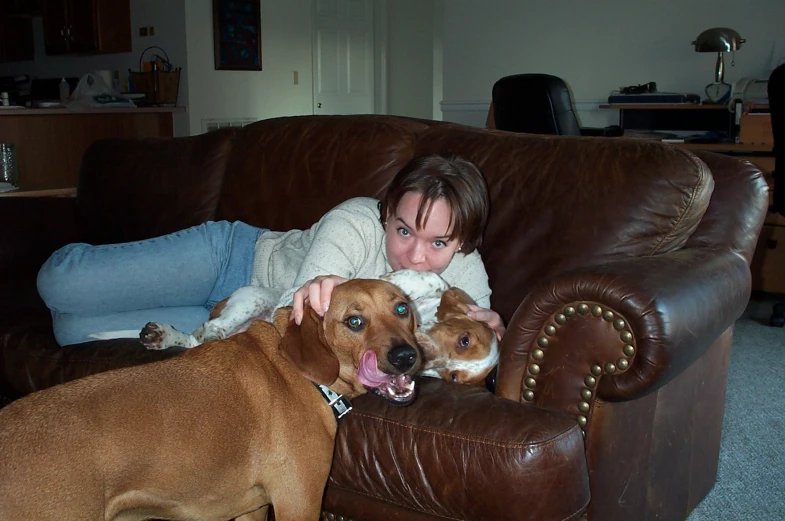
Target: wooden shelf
[[724, 147], [54, 192]]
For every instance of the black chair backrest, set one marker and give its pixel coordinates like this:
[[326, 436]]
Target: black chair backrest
[[535, 104], [777, 108]]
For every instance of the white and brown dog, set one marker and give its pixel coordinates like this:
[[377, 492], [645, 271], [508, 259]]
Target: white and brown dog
[[456, 347]]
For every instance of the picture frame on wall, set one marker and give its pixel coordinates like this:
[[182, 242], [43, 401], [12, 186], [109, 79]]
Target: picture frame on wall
[[237, 35]]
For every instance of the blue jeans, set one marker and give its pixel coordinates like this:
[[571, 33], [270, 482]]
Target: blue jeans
[[174, 279]]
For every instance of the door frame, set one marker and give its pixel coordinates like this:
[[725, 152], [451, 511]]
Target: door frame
[[379, 55]]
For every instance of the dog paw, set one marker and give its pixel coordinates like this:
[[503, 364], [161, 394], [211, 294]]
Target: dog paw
[[153, 336]]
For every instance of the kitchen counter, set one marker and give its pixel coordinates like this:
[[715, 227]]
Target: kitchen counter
[[50, 141], [65, 111]]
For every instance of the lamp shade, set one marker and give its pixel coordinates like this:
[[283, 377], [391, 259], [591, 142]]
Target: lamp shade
[[718, 39]]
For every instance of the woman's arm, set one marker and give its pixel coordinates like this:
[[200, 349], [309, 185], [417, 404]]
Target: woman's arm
[[346, 243]]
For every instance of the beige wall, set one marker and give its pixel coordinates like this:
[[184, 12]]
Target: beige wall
[[596, 46], [286, 47], [411, 59], [447, 53], [185, 31]]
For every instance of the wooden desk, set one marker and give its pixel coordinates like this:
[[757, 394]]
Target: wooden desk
[[675, 117], [755, 145]]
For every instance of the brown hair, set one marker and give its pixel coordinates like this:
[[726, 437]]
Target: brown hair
[[452, 178]]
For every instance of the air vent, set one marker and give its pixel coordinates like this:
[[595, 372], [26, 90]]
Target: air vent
[[208, 125]]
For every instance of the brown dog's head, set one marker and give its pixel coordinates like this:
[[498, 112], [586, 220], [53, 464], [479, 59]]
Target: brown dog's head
[[459, 348], [366, 340]]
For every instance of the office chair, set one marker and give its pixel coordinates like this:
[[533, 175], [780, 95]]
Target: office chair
[[538, 104], [777, 108]]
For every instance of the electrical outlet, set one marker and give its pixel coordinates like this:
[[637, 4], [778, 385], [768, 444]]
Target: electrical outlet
[[143, 31], [151, 30], [295, 77]]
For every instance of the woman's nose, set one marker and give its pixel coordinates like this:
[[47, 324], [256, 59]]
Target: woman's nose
[[416, 255]]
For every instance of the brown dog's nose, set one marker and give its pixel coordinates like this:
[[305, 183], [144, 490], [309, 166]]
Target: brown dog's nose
[[403, 357]]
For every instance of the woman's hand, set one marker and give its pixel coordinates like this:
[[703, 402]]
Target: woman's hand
[[490, 317], [317, 292]]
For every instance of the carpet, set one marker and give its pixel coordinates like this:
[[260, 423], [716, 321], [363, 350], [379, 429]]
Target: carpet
[[751, 477]]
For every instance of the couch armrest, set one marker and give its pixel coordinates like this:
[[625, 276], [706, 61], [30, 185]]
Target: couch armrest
[[32, 228], [457, 452], [621, 329]]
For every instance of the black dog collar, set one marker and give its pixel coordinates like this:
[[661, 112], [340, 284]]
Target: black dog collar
[[337, 402]]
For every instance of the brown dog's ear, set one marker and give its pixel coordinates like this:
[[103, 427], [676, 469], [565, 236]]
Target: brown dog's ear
[[306, 347], [454, 301]]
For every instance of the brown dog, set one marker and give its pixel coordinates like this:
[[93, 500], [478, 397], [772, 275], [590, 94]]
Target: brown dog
[[216, 433]]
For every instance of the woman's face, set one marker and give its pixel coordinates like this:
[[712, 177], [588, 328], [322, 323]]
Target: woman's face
[[425, 249]]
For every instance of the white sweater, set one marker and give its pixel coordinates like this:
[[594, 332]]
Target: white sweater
[[348, 241]]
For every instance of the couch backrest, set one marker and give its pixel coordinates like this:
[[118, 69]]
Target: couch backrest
[[131, 189], [560, 203], [285, 173], [557, 203]]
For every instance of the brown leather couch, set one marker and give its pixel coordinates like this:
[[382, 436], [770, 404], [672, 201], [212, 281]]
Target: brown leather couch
[[619, 265]]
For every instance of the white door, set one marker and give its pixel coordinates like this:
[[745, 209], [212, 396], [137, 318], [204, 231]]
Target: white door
[[343, 57]]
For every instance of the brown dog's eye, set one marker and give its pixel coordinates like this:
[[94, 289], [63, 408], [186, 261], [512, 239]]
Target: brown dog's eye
[[464, 341], [402, 309], [454, 377], [355, 323]]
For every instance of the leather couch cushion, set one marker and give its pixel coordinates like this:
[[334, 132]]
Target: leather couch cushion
[[311, 164], [440, 458], [132, 189], [637, 198]]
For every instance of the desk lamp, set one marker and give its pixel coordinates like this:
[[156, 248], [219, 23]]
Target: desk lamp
[[719, 40]]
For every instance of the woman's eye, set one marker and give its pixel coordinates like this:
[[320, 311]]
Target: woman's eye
[[439, 244], [354, 323], [402, 309], [464, 341], [403, 232]]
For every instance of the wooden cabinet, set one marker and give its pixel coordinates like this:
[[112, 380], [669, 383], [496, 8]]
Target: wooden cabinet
[[16, 30], [16, 39], [21, 7], [87, 26], [50, 142]]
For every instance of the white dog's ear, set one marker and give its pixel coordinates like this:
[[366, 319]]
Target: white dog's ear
[[305, 346], [455, 301]]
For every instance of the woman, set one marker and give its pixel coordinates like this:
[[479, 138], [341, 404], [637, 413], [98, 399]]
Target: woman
[[431, 218]]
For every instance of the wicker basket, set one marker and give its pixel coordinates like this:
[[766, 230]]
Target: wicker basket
[[159, 87]]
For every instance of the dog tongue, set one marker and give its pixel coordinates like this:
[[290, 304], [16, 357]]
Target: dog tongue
[[368, 373]]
